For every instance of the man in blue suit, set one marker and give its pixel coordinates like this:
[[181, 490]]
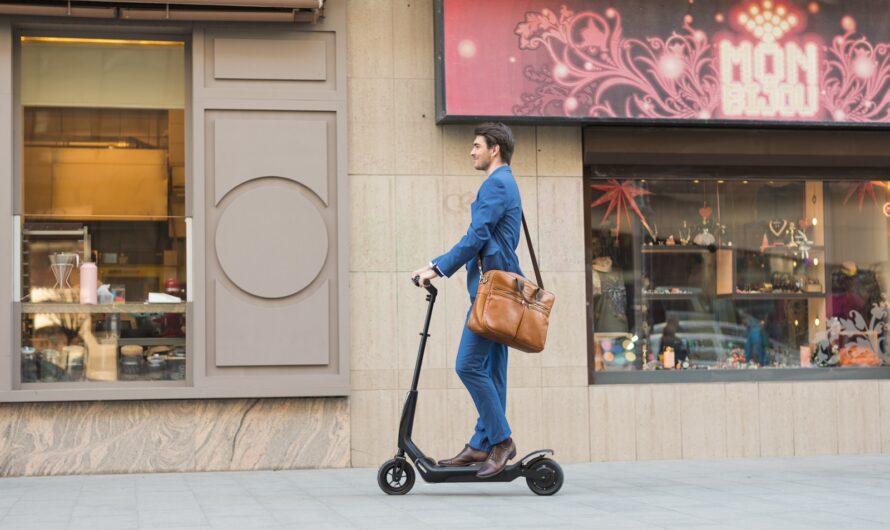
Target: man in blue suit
[[492, 237]]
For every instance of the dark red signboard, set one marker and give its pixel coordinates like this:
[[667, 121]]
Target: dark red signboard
[[724, 61]]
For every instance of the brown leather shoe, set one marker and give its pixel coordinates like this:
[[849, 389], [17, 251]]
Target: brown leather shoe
[[497, 459], [466, 457]]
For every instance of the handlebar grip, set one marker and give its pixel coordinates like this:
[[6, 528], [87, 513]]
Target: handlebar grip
[[426, 285]]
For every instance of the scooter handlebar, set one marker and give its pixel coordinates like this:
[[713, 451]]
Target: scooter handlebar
[[426, 285]]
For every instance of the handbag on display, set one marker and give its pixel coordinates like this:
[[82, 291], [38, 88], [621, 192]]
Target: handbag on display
[[511, 310]]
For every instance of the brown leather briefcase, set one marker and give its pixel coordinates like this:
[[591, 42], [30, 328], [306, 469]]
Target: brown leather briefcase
[[510, 309]]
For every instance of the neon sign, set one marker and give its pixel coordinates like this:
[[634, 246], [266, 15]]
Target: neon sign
[[730, 60], [765, 79]]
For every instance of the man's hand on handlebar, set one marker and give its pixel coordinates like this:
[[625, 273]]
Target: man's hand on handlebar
[[422, 277]]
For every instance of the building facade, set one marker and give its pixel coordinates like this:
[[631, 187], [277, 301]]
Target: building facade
[[292, 174]]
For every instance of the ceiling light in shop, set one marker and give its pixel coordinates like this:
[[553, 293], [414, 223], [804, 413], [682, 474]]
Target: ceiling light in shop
[[110, 145], [110, 42]]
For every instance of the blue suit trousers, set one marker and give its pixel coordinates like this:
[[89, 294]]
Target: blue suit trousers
[[482, 367]]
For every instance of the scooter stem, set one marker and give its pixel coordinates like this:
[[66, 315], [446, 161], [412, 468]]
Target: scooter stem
[[431, 298]]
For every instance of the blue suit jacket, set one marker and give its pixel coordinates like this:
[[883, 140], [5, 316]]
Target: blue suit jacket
[[493, 233]]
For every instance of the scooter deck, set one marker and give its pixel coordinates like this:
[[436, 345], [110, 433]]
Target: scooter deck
[[431, 472]]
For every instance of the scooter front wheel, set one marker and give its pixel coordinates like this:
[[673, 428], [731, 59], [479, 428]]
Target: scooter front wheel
[[396, 477], [545, 477]]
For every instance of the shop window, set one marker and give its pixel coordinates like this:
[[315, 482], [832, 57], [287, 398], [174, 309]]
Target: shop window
[[102, 210], [690, 275]]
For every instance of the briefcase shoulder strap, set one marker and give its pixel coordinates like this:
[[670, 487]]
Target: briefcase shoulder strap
[[531, 251]]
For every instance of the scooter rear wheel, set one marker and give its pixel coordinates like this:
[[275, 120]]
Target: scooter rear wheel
[[545, 477], [396, 477]]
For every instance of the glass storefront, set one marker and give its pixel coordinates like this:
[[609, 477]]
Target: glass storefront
[[738, 274], [102, 210]]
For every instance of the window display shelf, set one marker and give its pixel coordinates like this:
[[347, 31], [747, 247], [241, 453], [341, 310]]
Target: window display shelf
[[678, 249], [152, 341], [92, 217], [676, 296], [777, 296], [785, 250], [133, 307]]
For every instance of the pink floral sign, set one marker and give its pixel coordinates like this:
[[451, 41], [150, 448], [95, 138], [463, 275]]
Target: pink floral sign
[[724, 60]]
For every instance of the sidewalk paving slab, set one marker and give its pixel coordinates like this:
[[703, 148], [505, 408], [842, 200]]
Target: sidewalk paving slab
[[819, 492]]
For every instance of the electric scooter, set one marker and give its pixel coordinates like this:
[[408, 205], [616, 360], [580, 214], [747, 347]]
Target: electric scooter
[[396, 476]]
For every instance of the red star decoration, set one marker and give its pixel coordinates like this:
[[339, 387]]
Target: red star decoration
[[621, 196], [862, 189]]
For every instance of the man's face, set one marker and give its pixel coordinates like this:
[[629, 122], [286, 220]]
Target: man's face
[[481, 154]]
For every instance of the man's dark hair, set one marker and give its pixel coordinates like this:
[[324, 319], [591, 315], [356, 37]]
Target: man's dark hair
[[497, 134]]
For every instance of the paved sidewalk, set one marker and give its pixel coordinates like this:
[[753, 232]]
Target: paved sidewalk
[[850, 492]]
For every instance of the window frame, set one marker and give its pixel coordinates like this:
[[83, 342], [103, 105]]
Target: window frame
[[12, 389], [666, 168]]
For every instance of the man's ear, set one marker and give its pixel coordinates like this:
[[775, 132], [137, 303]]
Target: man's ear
[[496, 151]]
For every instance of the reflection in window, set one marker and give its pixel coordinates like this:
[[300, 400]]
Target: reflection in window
[[712, 274]]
